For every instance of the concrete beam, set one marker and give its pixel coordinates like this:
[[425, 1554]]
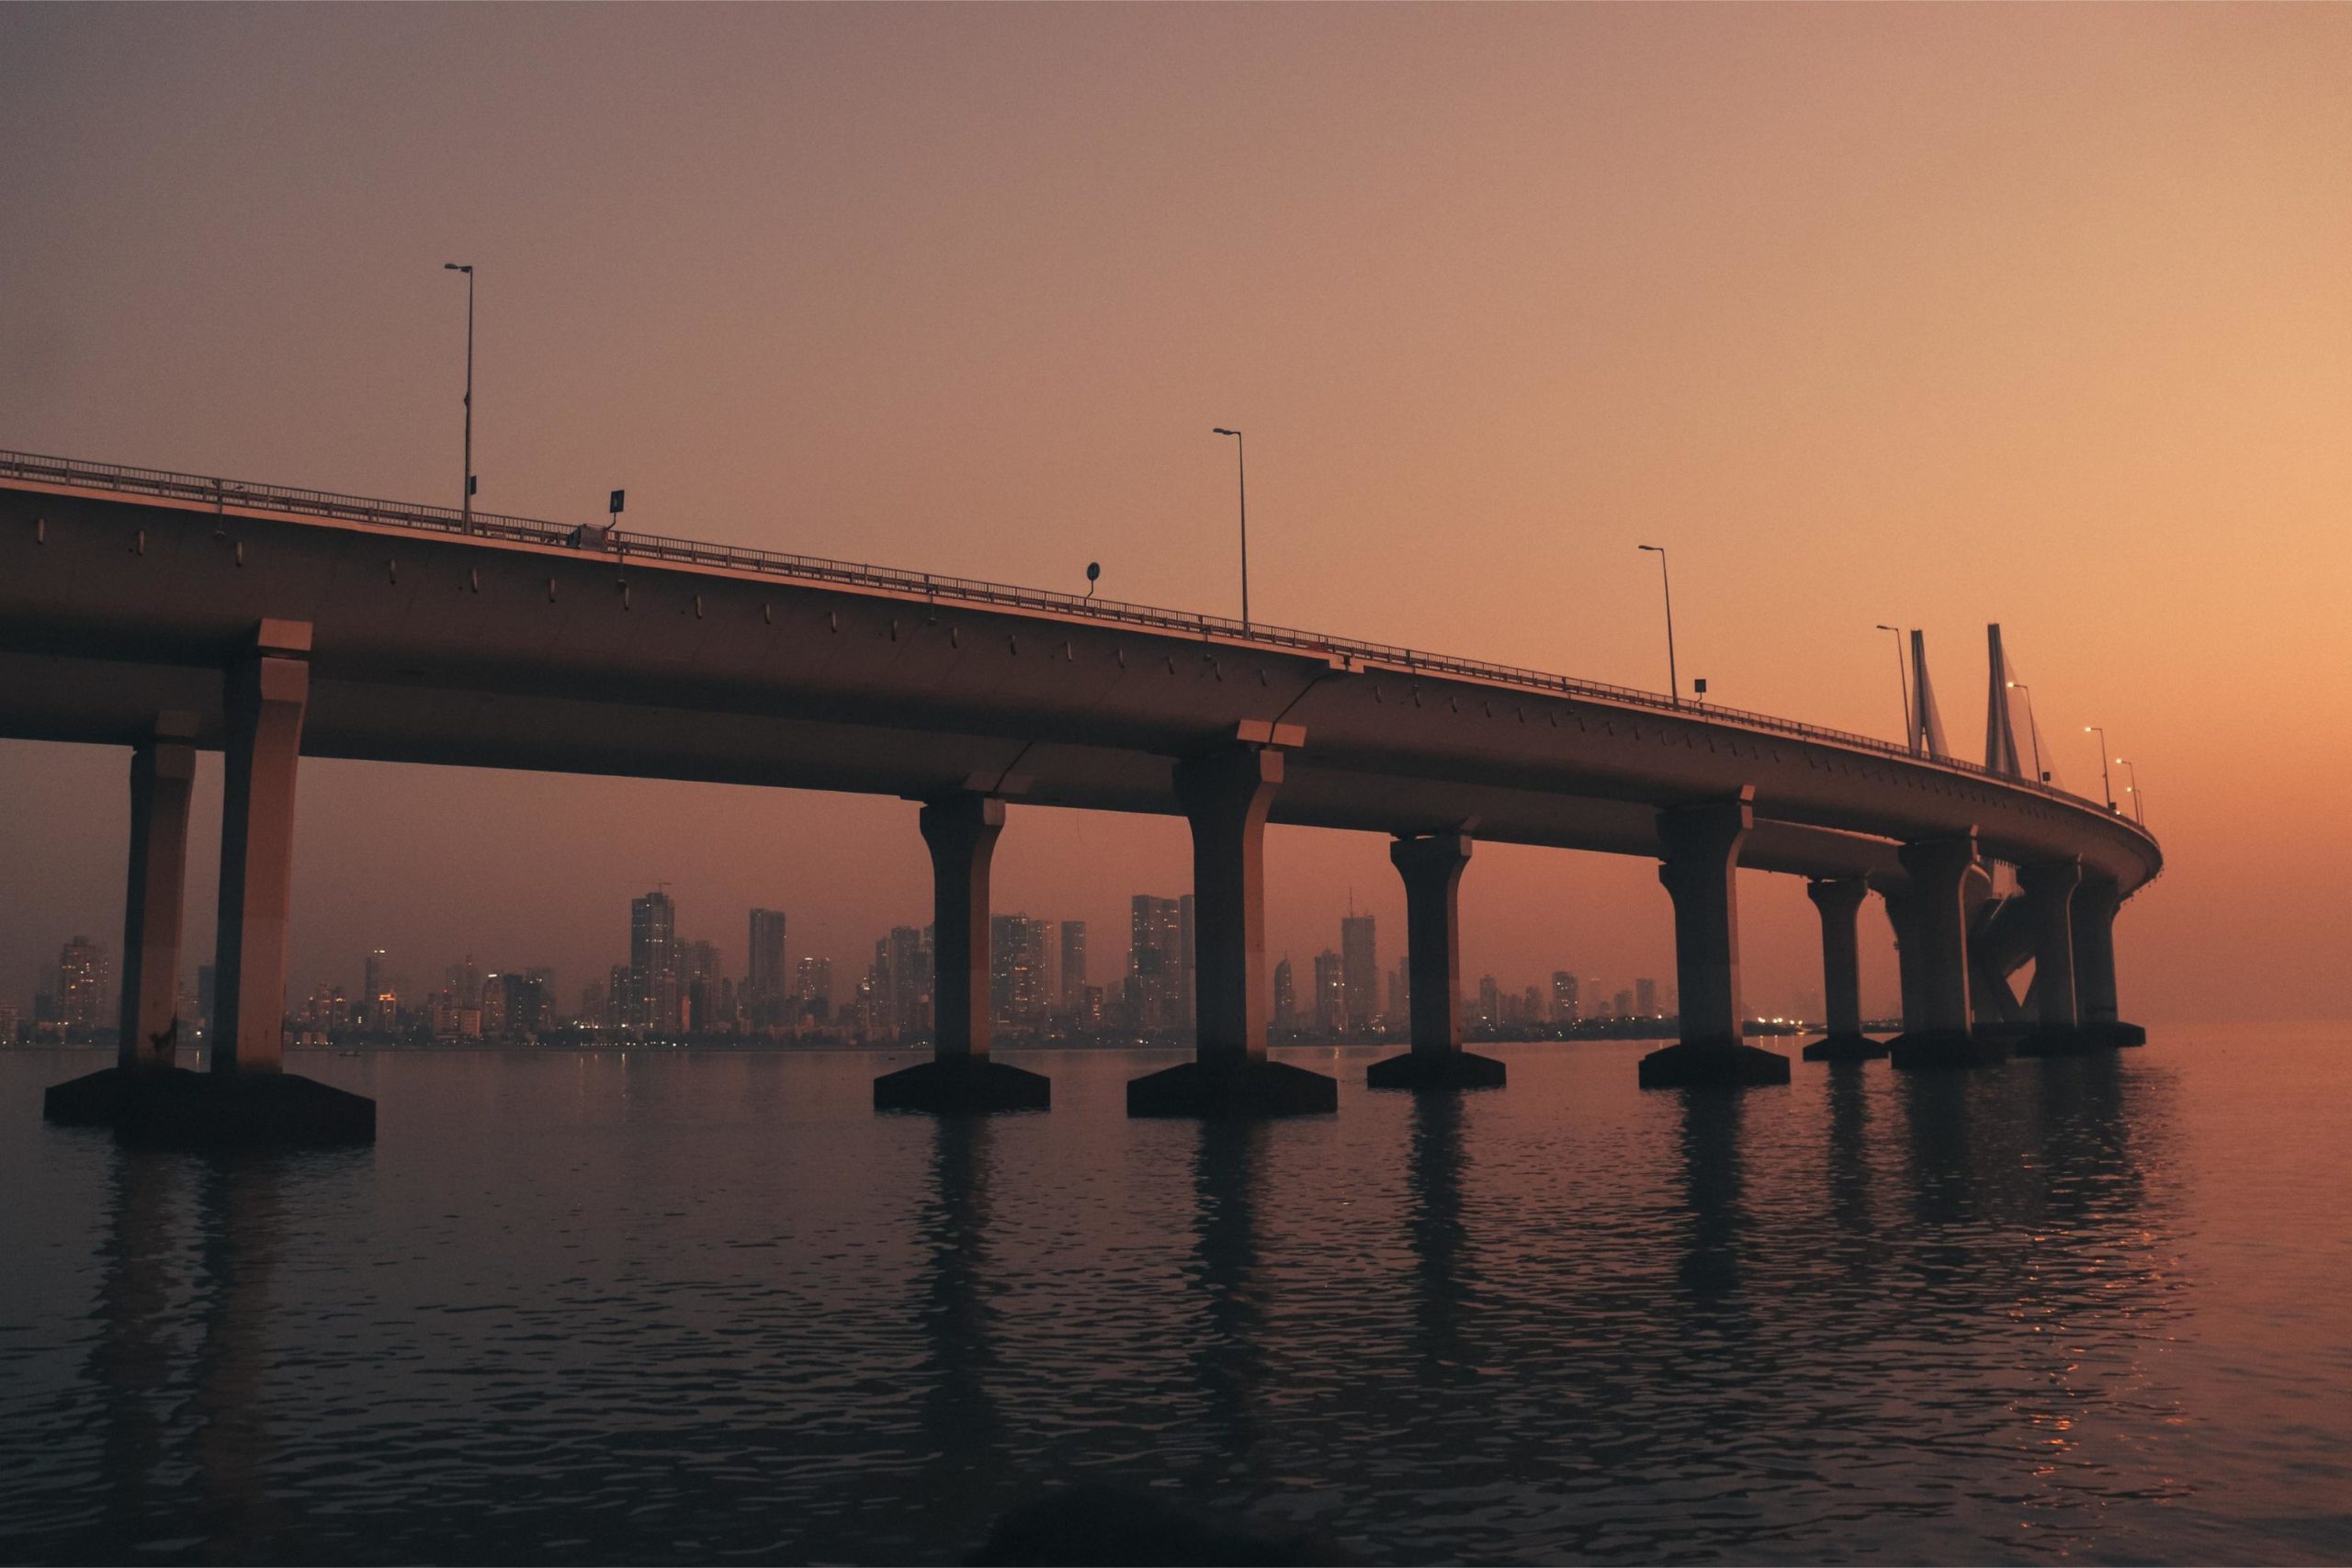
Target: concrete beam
[[1940, 871], [961, 829], [1225, 794], [163, 775], [1699, 869], [1839, 901], [267, 692], [1431, 865]]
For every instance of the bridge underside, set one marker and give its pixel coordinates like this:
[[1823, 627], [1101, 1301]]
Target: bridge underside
[[169, 628]]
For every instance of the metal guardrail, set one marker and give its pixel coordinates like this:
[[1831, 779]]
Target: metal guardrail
[[221, 493]]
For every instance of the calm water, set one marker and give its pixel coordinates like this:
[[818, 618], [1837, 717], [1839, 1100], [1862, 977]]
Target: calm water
[[653, 1307]]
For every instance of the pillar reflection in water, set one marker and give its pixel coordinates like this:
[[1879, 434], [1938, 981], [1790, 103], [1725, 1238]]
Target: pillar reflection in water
[[1435, 1230], [1848, 1162], [1229, 1359], [130, 1362], [239, 1220], [963, 1429], [1712, 1188]]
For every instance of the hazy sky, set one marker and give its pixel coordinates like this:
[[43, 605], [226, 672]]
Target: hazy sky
[[1931, 316]]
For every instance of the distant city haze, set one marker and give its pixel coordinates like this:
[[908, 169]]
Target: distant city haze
[[1927, 317]]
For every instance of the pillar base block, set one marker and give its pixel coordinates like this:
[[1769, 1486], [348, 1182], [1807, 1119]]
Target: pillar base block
[[1933, 1048], [2081, 1039], [1845, 1048], [1435, 1071], [1243, 1091], [1712, 1064], [963, 1086], [174, 1108]]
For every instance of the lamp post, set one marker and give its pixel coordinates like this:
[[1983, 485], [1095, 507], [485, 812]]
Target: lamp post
[[466, 496], [1673, 680], [1902, 680], [2104, 788], [2139, 801], [2031, 728], [1241, 475]]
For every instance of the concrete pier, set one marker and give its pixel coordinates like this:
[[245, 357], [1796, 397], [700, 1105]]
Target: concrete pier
[[1701, 845], [1938, 922], [961, 830], [1839, 900], [2092, 923], [246, 1100], [266, 693], [1431, 866], [1225, 794], [2048, 889]]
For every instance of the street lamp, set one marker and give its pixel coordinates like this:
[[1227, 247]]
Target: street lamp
[[466, 497], [1902, 682], [1241, 474], [2104, 788], [1673, 680], [2031, 728], [2139, 801]]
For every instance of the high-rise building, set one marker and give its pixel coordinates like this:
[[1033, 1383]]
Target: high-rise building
[[1285, 997], [81, 977], [1156, 960], [523, 1007], [1188, 991], [1490, 1000], [1645, 998], [765, 979], [653, 963], [698, 989], [1400, 995], [1563, 997], [910, 981], [1016, 970], [1074, 992], [812, 987], [1358, 973], [1622, 1005], [1331, 993]]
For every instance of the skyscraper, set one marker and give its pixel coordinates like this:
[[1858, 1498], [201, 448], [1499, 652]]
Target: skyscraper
[[1187, 992], [1016, 970], [1645, 998], [1563, 997], [1358, 973], [1330, 994], [1156, 959], [698, 989], [652, 963], [910, 981], [82, 985], [765, 979], [1073, 965], [1285, 997]]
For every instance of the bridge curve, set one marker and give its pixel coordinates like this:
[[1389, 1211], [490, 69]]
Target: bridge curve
[[517, 643]]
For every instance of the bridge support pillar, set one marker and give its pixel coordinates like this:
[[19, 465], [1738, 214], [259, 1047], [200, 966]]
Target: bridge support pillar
[[248, 1099], [163, 774], [2049, 889], [1937, 907], [1702, 856], [961, 830], [2091, 920], [1432, 868], [1226, 795], [1839, 900]]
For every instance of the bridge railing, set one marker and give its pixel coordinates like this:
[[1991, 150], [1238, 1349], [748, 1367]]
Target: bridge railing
[[220, 493]]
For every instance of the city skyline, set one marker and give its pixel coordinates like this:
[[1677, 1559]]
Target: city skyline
[[1829, 436]]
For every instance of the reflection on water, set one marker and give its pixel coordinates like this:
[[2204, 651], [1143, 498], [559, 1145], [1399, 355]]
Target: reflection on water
[[665, 1307]]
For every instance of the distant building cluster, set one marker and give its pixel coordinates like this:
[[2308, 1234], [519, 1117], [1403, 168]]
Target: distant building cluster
[[1041, 984]]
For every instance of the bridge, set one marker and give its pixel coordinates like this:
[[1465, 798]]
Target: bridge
[[167, 613]]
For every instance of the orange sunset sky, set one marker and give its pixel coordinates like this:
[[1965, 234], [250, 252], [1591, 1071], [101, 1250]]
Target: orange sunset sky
[[1935, 316]]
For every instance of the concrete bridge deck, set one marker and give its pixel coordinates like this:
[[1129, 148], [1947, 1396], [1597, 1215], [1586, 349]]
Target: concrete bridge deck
[[127, 594]]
